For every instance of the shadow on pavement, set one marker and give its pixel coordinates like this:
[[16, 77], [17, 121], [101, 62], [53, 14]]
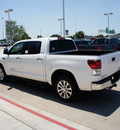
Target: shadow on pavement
[[103, 102]]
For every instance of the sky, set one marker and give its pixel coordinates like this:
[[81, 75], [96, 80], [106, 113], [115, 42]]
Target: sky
[[40, 17]]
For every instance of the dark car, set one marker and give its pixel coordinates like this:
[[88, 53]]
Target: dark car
[[105, 44], [99, 44], [84, 44]]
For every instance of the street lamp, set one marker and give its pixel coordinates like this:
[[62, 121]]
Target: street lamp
[[108, 20], [60, 26], [8, 36], [8, 11], [63, 19], [2, 28]]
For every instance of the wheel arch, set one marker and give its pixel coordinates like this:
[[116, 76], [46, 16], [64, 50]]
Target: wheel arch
[[2, 66], [61, 72], [5, 78]]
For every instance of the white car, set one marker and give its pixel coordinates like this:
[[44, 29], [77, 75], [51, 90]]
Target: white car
[[1, 43], [6, 44]]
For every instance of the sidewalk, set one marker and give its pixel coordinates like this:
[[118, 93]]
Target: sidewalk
[[8, 122], [14, 116]]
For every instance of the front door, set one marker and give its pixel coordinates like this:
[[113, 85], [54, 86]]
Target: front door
[[13, 60]]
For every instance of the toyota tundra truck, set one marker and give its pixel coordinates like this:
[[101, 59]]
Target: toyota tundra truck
[[57, 62]]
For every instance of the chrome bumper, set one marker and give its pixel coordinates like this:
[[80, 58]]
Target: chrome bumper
[[107, 82]]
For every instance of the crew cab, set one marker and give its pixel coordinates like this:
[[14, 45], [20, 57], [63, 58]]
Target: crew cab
[[57, 62]]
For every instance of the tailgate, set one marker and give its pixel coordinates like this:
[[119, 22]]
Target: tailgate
[[110, 63]]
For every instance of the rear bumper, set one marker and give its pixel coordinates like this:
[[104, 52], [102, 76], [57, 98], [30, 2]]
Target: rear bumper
[[107, 82]]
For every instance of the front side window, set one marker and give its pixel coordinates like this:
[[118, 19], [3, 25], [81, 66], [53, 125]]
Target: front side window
[[32, 47], [16, 49]]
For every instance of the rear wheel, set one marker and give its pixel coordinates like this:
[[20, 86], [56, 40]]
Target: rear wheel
[[3, 76], [65, 88]]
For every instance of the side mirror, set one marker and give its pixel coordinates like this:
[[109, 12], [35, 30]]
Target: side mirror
[[5, 51]]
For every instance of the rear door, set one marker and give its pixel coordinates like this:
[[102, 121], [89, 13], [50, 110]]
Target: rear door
[[32, 61]]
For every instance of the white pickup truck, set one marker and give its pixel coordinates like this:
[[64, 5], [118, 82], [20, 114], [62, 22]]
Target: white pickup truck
[[57, 62]]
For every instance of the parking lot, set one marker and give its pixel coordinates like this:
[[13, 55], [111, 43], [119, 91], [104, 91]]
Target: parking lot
[[37, 107]]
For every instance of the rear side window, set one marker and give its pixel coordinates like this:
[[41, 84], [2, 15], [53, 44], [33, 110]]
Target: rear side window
[[32, 47], [61, 45]]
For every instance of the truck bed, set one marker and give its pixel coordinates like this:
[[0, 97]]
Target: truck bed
[[98, 53]]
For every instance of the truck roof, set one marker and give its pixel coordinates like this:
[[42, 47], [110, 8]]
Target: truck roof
[[47, 38]]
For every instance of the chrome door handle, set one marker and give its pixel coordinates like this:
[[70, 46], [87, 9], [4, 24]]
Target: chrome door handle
[[17, 58], [39, 59]]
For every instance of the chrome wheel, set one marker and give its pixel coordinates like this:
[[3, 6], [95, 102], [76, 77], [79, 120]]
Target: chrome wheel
[[64, 89], [2, 76]]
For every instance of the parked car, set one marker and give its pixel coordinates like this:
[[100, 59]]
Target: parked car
[[107, 44], [100, 44], [57, 62], [84, 45], [1, 43], [6, 44]]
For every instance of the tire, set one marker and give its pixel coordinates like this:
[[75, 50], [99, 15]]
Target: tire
[[65, 88], [3, 76]]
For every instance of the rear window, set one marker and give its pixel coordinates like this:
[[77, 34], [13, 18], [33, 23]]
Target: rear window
[[102, 41], [61, 45]]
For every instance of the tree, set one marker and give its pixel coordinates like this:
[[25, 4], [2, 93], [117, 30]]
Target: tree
[[16, 32], [70, 37], [99, 36], [55, 35], [25, 36], [79, 34]]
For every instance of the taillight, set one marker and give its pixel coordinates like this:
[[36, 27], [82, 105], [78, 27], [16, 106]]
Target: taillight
[[99, 48], [60, 38], [96, 67], [77, 48], [94, 64]]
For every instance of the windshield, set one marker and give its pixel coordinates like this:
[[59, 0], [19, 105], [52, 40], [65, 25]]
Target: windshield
[[61, 45]]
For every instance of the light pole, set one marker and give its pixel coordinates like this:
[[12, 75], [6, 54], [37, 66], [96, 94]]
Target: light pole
[[8, 36], [107, 14], [2, 28], [63, 19], [60, 26], [8, 11]]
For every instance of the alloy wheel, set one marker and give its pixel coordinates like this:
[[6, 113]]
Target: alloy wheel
[[64, 89]]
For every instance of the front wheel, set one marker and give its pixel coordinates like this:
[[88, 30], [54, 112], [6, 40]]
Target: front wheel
[[66, 88], [3, 76]]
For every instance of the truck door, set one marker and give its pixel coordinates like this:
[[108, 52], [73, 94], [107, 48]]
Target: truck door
[[32, 61], [13, 60]]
